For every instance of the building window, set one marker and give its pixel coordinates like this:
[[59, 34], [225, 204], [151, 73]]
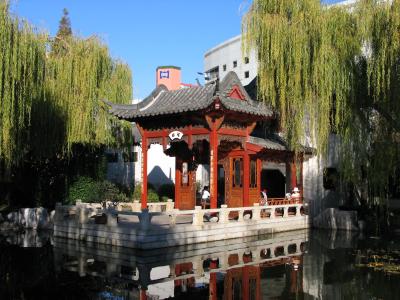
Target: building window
[[237, 172], [253, 173], [246, 60], [212, 73], [246, 74], [224, 68], [112, 157], [235, 63], [129, 157]]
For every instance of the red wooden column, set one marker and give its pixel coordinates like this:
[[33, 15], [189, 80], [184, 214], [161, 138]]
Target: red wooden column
[[178, 179], [213, 166], [246, 178], [259, 169], [214, 124], [144, 172]]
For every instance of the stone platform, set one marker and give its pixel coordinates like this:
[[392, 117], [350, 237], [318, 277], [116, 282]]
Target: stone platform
[[152, 230]]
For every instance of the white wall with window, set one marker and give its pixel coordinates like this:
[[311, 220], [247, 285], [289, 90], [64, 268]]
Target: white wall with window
[[228, 56]]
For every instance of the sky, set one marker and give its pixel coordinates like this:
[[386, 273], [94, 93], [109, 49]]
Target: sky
[[146, 33]]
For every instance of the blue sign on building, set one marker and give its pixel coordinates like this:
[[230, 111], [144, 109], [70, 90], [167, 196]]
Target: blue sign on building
[[164, 74]]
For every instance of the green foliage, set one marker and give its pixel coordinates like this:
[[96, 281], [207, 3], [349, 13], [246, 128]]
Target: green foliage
[[152, 195], [22, 77], [90, 190], [333, 70], [85, 189], [56, 96]]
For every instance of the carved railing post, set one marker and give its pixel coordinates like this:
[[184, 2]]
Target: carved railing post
[[169, 206], [136, 207], [256, 211], [172, 217], [285, 212], [298, 211], [198, 216], [224, 215], [84, 215], [273, 212], [240, 217]]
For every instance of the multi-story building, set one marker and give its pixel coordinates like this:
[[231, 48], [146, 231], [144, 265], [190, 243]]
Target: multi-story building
[[228, 56]]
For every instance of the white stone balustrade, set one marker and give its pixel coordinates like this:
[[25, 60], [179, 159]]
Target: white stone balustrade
[[82, 213]]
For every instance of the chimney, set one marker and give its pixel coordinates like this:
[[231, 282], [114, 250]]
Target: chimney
[[170, 76]]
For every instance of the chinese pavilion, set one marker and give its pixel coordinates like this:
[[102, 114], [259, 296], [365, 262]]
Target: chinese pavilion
[[214, 124]]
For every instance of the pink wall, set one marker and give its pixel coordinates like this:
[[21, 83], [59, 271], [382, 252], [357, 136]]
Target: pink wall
[[169, 76]]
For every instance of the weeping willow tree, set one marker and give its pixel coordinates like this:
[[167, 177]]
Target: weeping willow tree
[[49, 101], [22, 72], [333, 70], [51, 114], [75, 82]]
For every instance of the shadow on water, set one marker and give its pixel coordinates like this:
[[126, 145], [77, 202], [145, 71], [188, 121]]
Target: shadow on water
[[290, 265]]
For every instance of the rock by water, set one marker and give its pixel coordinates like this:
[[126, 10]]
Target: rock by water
[[35, 218], [333, 218]]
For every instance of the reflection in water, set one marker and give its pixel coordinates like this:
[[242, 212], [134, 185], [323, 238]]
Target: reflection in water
[[282, 266]]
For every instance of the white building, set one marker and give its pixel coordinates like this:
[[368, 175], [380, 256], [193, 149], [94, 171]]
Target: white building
[[228, 56]]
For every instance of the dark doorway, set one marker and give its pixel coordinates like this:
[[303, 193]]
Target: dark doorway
[[274, 182]]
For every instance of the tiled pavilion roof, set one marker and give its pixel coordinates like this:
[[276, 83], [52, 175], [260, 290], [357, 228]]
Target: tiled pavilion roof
[[164, 102]]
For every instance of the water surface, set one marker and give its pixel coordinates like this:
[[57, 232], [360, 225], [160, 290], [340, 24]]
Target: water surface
[[291, 265]]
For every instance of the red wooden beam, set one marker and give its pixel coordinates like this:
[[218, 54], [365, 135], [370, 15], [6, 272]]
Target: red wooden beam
[[185, 131], [253, 147], [231, 131]]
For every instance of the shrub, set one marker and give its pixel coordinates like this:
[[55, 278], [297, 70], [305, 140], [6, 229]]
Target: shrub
[[85, 189], [89, 190], [110, 192], [152, 195]]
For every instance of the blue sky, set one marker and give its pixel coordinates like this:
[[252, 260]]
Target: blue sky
[[146, 33]]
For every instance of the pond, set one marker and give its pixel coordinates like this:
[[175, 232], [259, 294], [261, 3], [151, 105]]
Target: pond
[[291, 265]]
